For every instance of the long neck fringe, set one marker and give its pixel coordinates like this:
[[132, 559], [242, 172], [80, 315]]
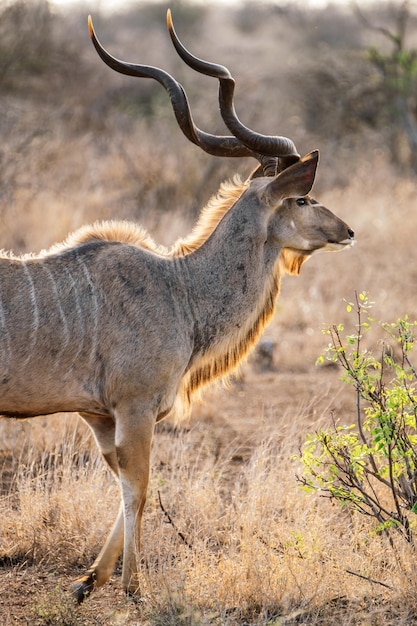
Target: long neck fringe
[[224, 362]]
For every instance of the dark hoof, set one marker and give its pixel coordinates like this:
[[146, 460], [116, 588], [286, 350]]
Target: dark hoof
[[82, 587], [135, 597]]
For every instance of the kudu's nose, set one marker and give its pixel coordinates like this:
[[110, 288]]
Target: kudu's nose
[[351, 233]]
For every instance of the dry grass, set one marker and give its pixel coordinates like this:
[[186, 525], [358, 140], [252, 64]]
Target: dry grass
[[259, 550]]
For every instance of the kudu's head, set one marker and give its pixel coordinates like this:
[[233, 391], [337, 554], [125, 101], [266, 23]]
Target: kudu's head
[[297, 222], [281, 181]]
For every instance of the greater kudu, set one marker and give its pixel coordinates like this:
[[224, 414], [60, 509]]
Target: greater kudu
[[123, 331]]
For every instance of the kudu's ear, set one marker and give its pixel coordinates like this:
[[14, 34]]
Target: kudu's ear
[[296, 180]]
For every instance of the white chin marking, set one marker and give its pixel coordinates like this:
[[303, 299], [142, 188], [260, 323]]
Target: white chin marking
[[340, 245], [334, 246]]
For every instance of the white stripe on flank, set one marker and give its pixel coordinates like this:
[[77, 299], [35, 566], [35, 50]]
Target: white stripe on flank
[[79, 336], [57, 301], [92, 313], [35, 314], [6, 351]]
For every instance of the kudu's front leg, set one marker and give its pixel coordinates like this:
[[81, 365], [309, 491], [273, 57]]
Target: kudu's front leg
[[132, 441], [133, 446], [102, 568]]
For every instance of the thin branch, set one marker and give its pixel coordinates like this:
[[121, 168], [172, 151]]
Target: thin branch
[[410, 365], [397, 38], [370, 580], [170, 521]]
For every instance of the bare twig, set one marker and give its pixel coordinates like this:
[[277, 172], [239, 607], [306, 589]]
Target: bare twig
[[370, 580], [170, 521], [397, 38]]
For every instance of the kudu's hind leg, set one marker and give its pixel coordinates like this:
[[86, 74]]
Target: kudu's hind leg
[[104, 433]]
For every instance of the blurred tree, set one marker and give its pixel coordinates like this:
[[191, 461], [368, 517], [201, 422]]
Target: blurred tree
[[25, 39], [37, 55], [397, 84]]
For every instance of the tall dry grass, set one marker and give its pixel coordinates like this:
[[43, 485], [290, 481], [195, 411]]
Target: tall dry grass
[[243, 543]]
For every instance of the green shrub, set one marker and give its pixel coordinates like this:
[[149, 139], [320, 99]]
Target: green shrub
[[371, 465]]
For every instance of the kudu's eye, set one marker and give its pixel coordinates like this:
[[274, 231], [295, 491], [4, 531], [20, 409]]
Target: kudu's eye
[[301, 201]]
